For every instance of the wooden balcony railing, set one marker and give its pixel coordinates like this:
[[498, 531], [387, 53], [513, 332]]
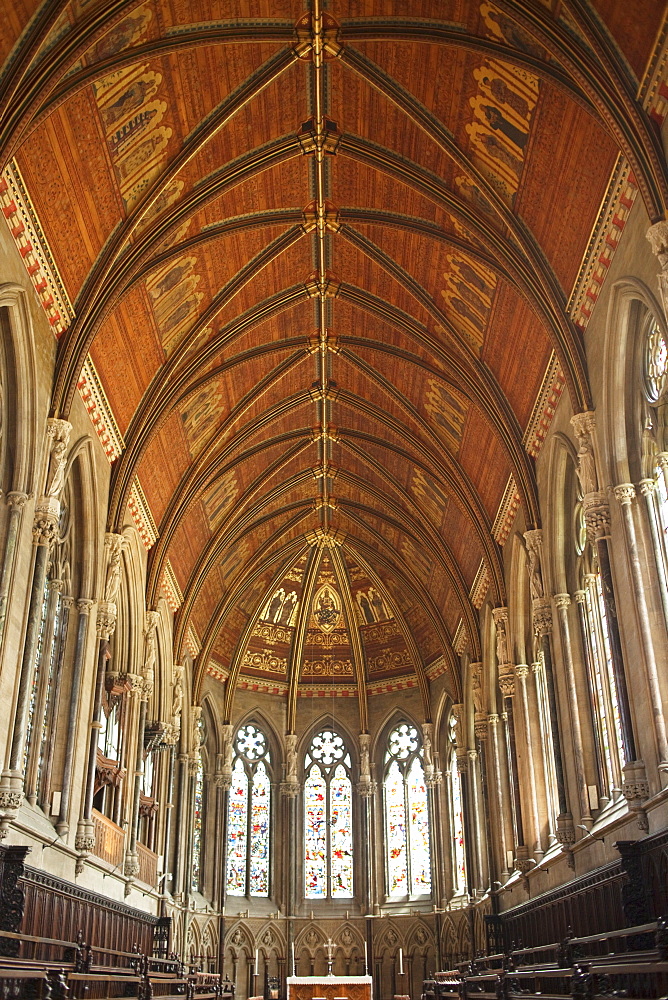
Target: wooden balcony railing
[[148, 865], [108, 839]]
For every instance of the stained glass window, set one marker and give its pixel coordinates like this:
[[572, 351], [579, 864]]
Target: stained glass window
[[328, 830], [655, 363], [197, 827], [406, 815], [249, 815]]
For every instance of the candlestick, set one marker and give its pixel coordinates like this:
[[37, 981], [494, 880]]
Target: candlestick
[[294, 968], [366, 960], [257, 959], [401, 961]]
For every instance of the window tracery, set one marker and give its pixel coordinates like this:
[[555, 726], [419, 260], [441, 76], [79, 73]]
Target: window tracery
[[196, 870], [249, 815], [406, 815], [328, 834]]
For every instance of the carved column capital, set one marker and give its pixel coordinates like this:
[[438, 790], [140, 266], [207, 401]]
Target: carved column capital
[[625, 493], [597, 515], [657, 234], [462, 755], [45, 521], [542, 616], [646, 487], [522, 671], [662, 460], [493, 719], [562, 601], [17, 500], [507, 680], [290, 789], [580, 596], [85, 605], [584, 424], [106, 620], [480, 725]]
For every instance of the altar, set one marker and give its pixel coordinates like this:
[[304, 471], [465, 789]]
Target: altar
[[329, 987]]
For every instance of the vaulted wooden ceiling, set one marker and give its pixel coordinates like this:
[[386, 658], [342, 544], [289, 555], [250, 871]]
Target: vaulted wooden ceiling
[[321, 260]]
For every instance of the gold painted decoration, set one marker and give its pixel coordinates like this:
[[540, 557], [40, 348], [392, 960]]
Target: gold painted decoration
[[201, 414], [326, 608], [468, 292], [372, 607], [502, 107], [327, 668], [431, 496], [448, 412], [282, 607]]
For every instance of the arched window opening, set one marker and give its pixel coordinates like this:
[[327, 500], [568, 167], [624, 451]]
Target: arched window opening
[[249, 815], [457, 817], [108, 771], [328, 819], [406, 815]]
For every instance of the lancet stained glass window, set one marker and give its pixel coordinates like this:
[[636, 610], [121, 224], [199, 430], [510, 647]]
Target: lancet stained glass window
[[249, 815], [328, 817], [406, 815]]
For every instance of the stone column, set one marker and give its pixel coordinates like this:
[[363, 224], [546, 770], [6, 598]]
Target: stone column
[[563, 602], [647, 488], [179, 863], [366, 788], [85, 838], [522, 672], [66, 605], [506, 679], [542, 623], [17, 502], [84, 607], [493, 722], [625, 494], [604, 785], [433, 780], [290, 790], [43, 668], [44, 531], [476, 829]]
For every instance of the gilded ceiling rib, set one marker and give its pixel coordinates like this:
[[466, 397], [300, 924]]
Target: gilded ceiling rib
[[91, 304], [23, 81], [357, 646], [537, 278], [237, 519], [411, 587], [611, 90], [431, 539], [243, 578], [423, 683], [445, 556], [296, 653], [261, 563], [232, 536], [61, 85], [227, 227], [156, 406], [187, 492], [519, 460]]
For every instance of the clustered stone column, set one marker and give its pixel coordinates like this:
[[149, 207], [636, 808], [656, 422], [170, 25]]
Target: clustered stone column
[[16, 501], [105, 628], [647, 488], [506, 681], [290, 788], [144, 692], [541, 611], [625, 494], [45, 530], [597, 519], [366, 788]]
